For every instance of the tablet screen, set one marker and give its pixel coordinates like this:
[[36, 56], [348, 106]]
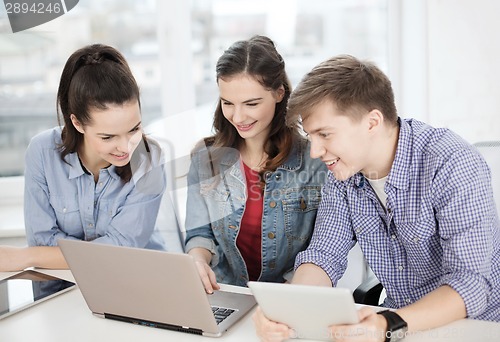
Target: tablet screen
[[27, 288]]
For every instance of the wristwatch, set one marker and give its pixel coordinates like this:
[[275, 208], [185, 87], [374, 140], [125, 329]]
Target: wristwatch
[[396, 326]]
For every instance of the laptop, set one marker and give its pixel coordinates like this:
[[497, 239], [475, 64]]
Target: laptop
[[308, 310], [151, 288]]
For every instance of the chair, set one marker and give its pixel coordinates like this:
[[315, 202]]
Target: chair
[[370, 290]]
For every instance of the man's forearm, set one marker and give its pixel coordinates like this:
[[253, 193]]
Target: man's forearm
[[441, 306], [310, 274]]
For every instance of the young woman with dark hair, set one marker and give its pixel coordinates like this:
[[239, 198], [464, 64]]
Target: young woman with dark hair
[[98, 178], [253, 188]]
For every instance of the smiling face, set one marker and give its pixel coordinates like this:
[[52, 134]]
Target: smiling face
[[344, 144], [248, 106], [111, 136]]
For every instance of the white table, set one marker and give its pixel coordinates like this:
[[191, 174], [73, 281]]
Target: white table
[[67, 318]]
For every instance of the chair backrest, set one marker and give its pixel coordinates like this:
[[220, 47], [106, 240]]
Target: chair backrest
[[490, 150], [178, 134]]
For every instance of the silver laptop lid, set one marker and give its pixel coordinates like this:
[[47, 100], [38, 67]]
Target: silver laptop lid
[[139, 283]]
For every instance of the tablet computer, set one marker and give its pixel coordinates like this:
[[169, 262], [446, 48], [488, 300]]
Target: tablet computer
[[28, 288], [309, 310]]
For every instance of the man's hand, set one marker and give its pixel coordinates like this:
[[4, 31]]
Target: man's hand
[[371, 328], [269, 331]]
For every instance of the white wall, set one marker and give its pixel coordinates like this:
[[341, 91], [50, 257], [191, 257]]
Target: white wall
[[444, 64], [464, 70]]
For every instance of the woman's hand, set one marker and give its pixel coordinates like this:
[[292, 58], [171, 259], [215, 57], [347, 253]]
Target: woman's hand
[[202, 259], [207, 276]]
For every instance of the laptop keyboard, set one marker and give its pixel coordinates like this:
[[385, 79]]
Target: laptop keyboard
[[221, 313]]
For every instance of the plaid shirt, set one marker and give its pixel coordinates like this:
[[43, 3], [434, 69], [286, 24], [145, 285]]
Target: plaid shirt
[[440, 227]]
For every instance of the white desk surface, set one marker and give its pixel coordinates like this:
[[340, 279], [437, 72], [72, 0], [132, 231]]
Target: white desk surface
[[67, 318]]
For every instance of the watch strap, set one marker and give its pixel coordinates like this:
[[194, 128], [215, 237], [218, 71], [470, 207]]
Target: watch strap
[[394, 324]]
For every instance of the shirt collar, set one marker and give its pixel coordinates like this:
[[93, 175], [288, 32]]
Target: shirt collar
[[399, 175], [294, 160], [76, 169]]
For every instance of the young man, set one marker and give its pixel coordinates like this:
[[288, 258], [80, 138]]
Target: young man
[[417, 199]]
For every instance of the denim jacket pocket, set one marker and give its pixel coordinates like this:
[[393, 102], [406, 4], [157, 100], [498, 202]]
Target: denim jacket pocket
[[300, 206], [217, 201], [67, 214]]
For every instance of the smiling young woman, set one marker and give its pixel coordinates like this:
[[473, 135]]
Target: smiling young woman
[[89, 179], [253, 188]]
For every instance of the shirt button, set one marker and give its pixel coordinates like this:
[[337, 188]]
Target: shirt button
[[358, 230], [271, 235], [272, 204], [400, 268], [278, 177], [100, 183], [303, 204], [91, 225], [64, 210], [393, 237], [416, 239]]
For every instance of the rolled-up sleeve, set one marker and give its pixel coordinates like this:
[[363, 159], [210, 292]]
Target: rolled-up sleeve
[[198, 228], [466, 216], [332, 238], [39, 217]]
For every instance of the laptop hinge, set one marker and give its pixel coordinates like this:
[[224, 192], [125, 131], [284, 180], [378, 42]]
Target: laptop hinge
[[152, 324]]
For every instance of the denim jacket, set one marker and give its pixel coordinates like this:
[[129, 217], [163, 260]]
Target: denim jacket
[[215, 207]]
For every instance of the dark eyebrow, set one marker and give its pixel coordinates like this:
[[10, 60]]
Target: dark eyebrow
[[246, 101], [135, 127], [112, 135]]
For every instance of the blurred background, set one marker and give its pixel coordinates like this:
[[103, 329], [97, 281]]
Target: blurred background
[[441, 55]]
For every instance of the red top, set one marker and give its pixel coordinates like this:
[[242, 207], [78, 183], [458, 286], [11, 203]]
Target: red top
[[249, 240]]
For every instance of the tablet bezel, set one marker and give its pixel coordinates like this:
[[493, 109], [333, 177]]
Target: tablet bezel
[[33, 276], [308, 310]]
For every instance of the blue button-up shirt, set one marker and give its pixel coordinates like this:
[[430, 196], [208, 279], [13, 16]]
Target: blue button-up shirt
[[62, 200], [440, 227]]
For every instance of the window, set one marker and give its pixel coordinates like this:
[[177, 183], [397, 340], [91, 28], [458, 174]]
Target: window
[[305, 31]]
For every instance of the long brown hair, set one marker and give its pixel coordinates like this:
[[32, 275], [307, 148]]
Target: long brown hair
[[258, 58], [93, 77]]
